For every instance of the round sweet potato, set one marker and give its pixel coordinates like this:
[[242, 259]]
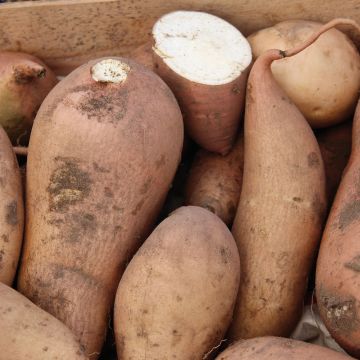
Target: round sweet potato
[[24, 82], [275, 348], [176, 298], [338, 264], [105, 146], [11, 211], [28, 332], [323, 80], [214, 181]]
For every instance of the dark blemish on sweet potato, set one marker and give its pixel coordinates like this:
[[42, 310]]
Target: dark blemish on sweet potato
[[178, 298], [282, 260], [160, 162], [176, 337], [146, 186], [297, 199], [340, 310], [142, 333], [69, 184], [108, 193], [99, 168], [107, 105], [313, 160], [354, 264], [138, 207], [2, 182], [349, 213], [11, 213], [45, 348], [145, 311], [155, 345], [80, 226], [225, 255], [327, 53], [5, 238]]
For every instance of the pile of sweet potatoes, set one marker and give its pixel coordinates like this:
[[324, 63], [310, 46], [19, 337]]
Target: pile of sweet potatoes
[[177, 201]]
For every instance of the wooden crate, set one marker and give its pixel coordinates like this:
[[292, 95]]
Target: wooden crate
[[64, 33]]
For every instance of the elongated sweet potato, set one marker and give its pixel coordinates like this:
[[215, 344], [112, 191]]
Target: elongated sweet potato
[[323, 80], [177, 295], [281, 211], [28, 332], [104, 149], [338, 265], [335, 147], [11, 211], [275, 348], [24, 82], [207, 73], [214, 181]]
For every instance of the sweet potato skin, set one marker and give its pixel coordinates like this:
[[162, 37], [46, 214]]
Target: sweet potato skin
[[275, 348], [177, 295], [323, 80], [28, 332], [337, 272], [214, 181], [11, 211], [280, 214], [212, 114], [20, 95], [94, 192]]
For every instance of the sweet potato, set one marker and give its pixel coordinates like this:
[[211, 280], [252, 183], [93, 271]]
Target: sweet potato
[[104, 149], [214, 181], [144, 55], [323, 80], [28, 332], [275, 348], [24, 82], [335, 147], [207, 73], [281, 211], [338, 265], [11, 211], [177, 295]]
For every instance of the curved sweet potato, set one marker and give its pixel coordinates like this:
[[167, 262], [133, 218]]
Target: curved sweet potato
[[280, 215], [275, 348], [214, 181], [103, 152], [11, 211], [24, 82], [338, 264], [177, 295], [28, 332]]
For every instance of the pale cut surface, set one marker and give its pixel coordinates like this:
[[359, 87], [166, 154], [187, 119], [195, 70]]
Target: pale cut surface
[[110, 71], [201, 47]]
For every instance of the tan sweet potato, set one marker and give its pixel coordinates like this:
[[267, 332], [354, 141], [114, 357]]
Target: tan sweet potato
[[323, 80], [11, 211], [214, 181], [24, 82], [335, 147], [281, 211], [28, 332], [338, 264], [177, 295], [275, 348], [103, 152], [206, 72]]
